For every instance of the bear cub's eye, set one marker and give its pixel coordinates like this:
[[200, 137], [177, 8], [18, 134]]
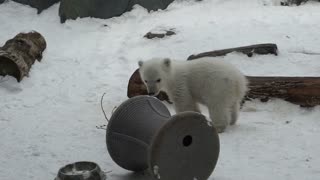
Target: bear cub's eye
[[158, 80]]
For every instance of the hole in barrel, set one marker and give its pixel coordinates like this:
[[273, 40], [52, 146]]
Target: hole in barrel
[[187, 141]]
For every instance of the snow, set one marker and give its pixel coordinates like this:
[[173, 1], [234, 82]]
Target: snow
[[49, 119]]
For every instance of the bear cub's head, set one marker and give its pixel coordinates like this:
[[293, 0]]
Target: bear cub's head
[[153, 73]]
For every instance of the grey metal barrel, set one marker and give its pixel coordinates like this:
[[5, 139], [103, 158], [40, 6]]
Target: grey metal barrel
[[141, 134]]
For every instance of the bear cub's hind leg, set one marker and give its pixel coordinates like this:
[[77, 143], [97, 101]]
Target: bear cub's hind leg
[[235, 113]]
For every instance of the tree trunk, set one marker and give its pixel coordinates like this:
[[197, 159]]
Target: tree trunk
[[18, 54], [248, 50], [303, 91]]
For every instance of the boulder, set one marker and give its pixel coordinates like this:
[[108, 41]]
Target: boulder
[[40, 5], [150, 4], [104, 9], [72, 9]]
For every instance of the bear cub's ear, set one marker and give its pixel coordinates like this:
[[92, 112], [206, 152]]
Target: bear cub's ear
[[167, 62], [140, 63]]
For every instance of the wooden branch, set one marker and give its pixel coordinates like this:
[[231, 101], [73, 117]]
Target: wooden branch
[[19, 53], [303, 91], [248, 50]]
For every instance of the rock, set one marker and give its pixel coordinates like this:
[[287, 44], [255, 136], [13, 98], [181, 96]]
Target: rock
[[72, 9], [40, 5], [1, 1], [159, 33], [104, 9], [150, 4]]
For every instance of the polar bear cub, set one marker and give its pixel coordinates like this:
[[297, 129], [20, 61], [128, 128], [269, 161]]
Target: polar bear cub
[[208, 81]]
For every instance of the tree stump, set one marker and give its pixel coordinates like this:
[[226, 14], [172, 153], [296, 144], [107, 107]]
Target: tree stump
[[248, 50], [19, 54]]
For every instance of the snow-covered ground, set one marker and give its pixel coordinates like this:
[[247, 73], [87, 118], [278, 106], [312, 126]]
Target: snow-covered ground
[[50, 118]]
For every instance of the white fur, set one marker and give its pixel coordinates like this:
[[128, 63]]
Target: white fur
[[214, 83]]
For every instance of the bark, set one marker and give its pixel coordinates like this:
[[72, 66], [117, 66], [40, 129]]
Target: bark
[[248, 50], [303, 91], [19, 53]]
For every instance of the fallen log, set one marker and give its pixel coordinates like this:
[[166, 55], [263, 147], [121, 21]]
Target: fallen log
[[19, 54], [292, 2], [136, 87], [248, 50], [303, 91]]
